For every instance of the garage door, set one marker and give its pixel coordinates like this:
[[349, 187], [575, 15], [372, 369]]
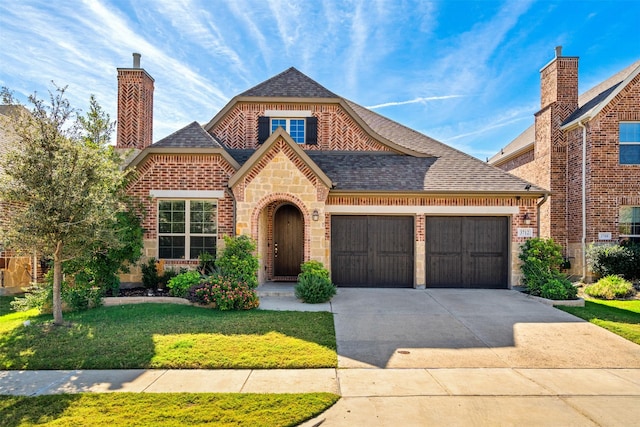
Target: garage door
[[372, 251], [467, 252]]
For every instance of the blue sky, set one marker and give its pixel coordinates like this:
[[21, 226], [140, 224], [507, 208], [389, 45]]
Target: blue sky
[[465, 73]]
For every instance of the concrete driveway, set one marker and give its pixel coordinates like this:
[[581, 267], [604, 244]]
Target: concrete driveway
[[458, 328]]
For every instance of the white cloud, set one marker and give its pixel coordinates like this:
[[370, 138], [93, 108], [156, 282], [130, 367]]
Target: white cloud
[[421, 100]]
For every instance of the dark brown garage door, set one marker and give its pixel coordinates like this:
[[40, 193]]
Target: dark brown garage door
[[372, 251], [467, 252]]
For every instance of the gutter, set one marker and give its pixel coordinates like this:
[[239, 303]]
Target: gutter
[[584, 200]]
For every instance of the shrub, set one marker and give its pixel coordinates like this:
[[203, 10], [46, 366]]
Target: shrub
[[224, 293], [622, 260], [610, 287], [37, 296], [180, 284], [150, 278], [169, 274], [206, 264], [76, 296], [100, 266], [314, 285], [558, 289], [154, 276], [541, 263], [238, 262], [81, 297]]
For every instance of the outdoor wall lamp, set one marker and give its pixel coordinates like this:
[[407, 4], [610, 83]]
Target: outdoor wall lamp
[[526, 218], [315, 215]]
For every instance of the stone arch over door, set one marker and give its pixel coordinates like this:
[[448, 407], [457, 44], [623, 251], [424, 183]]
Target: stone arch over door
[[262, 230]]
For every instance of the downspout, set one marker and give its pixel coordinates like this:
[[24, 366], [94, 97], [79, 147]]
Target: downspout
[[584, 201]]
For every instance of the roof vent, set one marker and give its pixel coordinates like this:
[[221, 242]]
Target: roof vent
[[136, 60]]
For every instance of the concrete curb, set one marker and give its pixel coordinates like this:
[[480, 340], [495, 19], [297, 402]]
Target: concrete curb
[[551, 302], [113, 301]]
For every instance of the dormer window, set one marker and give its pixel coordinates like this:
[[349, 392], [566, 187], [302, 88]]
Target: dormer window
[[294, 127], [302, 126]]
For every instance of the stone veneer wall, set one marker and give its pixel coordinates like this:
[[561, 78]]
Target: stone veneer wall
[[280, 178]]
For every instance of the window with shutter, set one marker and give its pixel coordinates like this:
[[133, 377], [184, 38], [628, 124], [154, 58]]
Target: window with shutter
[[303, 130]]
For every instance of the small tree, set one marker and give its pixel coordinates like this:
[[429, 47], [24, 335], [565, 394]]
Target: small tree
[[65, 180]]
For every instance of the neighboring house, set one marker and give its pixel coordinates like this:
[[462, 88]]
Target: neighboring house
[[313, 176], [16, 272], [586, 150]]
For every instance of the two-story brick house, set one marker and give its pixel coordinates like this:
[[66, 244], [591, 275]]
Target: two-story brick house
[[586, 150], [311, 175]]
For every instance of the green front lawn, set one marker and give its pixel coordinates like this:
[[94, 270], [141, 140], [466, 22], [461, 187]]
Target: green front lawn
[[619, 317], [166, 409], [168, 336]]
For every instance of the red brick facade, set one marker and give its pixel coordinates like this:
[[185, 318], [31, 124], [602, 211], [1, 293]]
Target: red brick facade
[[278, 173], [557, 161], [135, 108], [337, 130]]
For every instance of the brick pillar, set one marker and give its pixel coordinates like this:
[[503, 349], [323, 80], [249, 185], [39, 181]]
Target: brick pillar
[[558, 99], [135, 107]]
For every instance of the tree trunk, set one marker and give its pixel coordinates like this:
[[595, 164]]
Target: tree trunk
[[57, 285]]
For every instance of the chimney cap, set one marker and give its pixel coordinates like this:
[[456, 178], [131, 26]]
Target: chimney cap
[[558, 51], [136, 60]]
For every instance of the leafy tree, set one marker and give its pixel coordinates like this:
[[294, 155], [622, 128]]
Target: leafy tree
[[65, 181]]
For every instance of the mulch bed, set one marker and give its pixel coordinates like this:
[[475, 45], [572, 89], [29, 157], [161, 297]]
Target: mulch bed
[[140, 292]]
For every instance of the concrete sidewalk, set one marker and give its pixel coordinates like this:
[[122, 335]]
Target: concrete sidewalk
[[481, 358], [385, 397]]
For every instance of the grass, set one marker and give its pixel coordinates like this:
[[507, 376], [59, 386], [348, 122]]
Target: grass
[[168, 336], [166, 409], [620, 317]]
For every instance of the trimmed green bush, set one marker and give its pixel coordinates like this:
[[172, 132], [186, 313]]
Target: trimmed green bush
[[558, 289], [541, 263], [238, 261], [179, 285], [621, 260], [314, 285], [610, 287]]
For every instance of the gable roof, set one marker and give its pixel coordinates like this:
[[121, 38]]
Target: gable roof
[[589, 104], [433, 163], [266, 146], [594, 105], [191, 139], [291, 83], [190, 136]]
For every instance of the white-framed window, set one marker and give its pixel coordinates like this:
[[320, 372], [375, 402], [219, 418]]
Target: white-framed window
[[293, 126], [186, 228], [629, 222], [629, 143]]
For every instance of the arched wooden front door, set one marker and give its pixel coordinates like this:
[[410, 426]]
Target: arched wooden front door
[[288, 241]]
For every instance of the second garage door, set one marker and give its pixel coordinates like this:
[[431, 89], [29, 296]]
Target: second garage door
[[467, 252], [372, 251]]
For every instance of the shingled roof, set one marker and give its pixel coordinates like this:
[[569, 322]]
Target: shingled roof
[[420, 163], [290, 83], [190, 136], [588, 101]]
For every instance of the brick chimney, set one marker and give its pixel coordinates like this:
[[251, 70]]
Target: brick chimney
[[559, 83], [135, 107], [558, 99]]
